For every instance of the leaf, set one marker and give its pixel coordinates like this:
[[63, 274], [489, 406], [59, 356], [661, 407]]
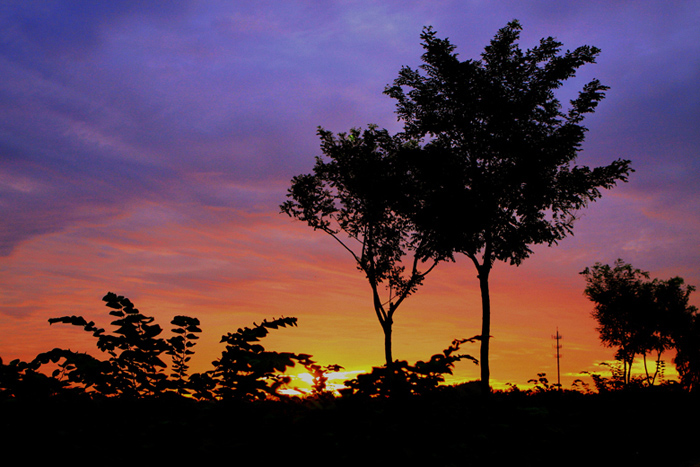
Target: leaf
[[74, 320]]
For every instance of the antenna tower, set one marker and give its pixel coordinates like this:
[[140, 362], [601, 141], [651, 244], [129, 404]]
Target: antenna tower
[[558, 337]]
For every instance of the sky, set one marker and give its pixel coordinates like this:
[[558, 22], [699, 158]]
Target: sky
[[145, 148]]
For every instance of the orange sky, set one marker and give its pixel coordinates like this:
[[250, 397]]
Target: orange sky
[[265, 266]]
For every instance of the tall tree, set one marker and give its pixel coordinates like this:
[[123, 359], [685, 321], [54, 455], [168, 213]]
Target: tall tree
[[497, 175], [353, 195]]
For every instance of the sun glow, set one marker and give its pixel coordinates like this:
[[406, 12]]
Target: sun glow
[[302, 383]]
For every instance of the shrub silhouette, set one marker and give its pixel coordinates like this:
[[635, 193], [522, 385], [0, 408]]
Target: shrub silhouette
[[181, 350], [319, 378], [402, 379], [246, 371], [20, 379], [135, 368]]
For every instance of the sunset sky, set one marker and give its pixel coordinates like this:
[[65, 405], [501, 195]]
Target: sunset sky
[[145, 148]]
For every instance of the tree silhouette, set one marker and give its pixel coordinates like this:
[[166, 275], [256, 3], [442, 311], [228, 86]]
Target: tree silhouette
[[639, 316], [676, 328], [620, 294], [497, 173], [353, 195]]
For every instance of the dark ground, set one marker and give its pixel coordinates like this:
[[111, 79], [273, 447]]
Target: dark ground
[[451, 428]]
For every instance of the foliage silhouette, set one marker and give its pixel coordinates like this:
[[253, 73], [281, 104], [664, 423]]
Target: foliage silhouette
[[181, 349], [80, 371], [134, 369], [442, 429], [618, 379], [425, 427], [20, 379], [496, 175], [687, 345], [639, 316], [353, 195], [403, 379], [542, 383], [319, 377], [245, 371]]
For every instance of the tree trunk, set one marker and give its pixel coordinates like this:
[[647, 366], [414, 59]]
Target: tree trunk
[[386, 326], [485, 329], [628, 369]]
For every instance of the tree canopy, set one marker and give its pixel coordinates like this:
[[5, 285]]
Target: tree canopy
[[498, 174], [505, 145]]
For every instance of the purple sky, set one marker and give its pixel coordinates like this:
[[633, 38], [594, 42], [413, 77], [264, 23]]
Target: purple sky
[[145, 148]]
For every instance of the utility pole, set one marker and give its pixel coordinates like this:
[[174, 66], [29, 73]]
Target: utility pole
[[558, 337]]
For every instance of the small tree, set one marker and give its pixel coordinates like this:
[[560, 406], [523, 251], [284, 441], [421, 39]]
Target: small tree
[[620, 294], [353, 195], [497, 173], [639, 316]]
